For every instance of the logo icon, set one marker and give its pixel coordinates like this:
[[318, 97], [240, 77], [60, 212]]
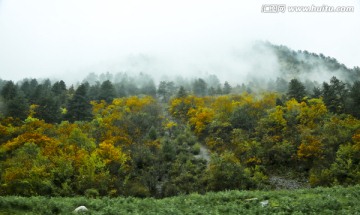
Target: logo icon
[[273, 8]]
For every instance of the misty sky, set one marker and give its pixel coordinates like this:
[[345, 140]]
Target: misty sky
[[67, 39]]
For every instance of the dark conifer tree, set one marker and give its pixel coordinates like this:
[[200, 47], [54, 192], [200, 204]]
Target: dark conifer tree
[[281, 85], [149, 88], [18, 107], [200, 87], [166, 90], [58, 87], [355, 99], [219, 91], [296, 90], [335, 95], [162, 91], [227, 88], [316, 92], [181, 93], [121, 90], [107, 91], [9, 91], [79, 107], [59, 91], [49, 109], [212, 91]]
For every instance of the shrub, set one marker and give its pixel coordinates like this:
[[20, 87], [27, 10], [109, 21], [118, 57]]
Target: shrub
[[91, 193]]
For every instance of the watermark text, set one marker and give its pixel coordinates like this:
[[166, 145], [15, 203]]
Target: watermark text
[[282, 8]]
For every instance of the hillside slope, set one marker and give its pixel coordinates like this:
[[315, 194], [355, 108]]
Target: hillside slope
[[305, 65]]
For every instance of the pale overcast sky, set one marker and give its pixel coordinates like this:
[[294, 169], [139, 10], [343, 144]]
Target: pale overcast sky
[[67, 39]]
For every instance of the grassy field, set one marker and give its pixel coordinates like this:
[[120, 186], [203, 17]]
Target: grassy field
[[336, 200]]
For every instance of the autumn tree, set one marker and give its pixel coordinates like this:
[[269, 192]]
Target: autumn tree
[[27, 172]]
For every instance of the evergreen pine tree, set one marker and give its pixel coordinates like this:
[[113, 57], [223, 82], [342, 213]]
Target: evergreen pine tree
[[181, 93], [79, 107], [200, 87], [227, 88], [335, 95], [107, 91], [355, 99], [296, 90]]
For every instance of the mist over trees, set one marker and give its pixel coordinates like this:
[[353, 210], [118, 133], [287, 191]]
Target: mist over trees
[[127, 134]]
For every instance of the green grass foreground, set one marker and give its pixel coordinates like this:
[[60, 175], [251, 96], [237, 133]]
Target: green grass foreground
[[336, 200]]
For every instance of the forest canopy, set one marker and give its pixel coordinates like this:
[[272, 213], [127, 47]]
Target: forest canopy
[[126, 135]]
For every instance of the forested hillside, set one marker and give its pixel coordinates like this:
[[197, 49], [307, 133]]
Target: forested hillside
[[306, 65], [127, 135]]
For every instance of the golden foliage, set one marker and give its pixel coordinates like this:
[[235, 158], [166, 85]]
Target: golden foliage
[[109, 153], [199, 118], [310, 147]]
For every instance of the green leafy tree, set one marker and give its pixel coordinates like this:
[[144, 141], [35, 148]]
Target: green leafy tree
[[226, 172], [27, 172], [243, 117]]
